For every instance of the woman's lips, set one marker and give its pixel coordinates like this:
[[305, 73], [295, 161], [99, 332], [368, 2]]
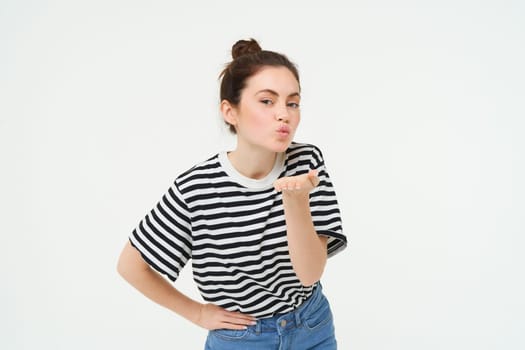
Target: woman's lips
[[283, 130]]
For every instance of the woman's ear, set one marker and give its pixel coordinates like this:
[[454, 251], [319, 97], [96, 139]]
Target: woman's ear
[[229, 113]]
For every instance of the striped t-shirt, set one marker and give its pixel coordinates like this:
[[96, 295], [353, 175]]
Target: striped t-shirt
[[233, 229]]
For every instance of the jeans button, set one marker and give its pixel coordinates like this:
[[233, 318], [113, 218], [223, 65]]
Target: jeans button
[[283, 323]]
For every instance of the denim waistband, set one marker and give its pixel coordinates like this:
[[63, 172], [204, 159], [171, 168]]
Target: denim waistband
[[288, 321]]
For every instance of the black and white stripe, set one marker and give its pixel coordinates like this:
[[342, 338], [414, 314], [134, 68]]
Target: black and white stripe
[[234, 231]]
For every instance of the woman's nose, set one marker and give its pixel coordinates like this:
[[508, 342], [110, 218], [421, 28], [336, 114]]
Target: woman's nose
[[282, 115]]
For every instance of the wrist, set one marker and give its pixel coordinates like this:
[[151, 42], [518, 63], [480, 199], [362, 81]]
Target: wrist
[[296, 196], [197, 313]]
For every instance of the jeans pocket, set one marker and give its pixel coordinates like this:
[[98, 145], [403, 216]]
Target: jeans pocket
[[318, 315], [229, 334]]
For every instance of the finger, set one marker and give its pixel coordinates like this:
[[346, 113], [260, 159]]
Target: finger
[[237, 315], [233, 325], [313, 177], [239, 319], [227, 325]]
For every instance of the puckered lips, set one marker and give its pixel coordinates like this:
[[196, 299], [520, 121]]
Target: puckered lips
[[283, 130]]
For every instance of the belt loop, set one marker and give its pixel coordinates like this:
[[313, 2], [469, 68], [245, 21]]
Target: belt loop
[[258, 327], [297, 319]]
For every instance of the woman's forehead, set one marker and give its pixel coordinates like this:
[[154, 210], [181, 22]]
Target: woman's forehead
[[278, 79]]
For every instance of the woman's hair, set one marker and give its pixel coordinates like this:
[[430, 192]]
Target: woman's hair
[[248, 59]]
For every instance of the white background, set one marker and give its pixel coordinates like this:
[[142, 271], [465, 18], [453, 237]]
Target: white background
[[418, 107]]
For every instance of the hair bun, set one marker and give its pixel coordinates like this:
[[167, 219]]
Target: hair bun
[[245, 47]]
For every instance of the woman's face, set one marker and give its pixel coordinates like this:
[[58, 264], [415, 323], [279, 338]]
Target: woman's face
[[268, 113]]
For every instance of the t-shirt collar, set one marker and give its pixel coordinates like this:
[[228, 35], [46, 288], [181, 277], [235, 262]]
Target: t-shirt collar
[[265, 182]]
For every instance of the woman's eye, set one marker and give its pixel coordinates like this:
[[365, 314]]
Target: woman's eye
[[267, 102], [293, 105]]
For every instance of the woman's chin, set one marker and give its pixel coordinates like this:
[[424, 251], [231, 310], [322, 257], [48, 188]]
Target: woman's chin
[[281, 146]]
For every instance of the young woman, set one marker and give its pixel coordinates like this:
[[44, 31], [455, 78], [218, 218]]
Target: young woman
[[258, 222]]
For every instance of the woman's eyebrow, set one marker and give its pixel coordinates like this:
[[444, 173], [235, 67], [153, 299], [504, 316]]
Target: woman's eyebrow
[[272, 92]]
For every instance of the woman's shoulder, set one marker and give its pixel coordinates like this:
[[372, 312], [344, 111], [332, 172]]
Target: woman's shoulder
[[307, 153], [303, 146], [304, 149], [205, 168]]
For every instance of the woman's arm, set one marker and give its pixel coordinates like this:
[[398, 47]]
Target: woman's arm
[[307, 249], [132, 267]]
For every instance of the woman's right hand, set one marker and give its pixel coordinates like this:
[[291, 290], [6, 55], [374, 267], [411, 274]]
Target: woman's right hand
[[150, 283], [215, 317]]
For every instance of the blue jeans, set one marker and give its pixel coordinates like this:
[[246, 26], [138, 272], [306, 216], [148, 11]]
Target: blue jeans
[[309, 327]]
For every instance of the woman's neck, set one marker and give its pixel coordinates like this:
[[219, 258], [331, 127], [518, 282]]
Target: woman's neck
[[252, 163]]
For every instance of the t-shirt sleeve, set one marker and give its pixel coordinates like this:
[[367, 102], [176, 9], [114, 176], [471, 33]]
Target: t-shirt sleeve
[[163, 237], [324, 207]]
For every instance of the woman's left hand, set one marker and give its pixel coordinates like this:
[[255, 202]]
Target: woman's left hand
[[297, 184]]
